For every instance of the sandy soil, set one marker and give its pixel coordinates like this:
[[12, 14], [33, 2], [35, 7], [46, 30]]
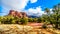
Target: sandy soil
[[25, 29]]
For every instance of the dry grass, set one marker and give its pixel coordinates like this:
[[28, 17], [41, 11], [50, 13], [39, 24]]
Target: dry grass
[[25, 29]]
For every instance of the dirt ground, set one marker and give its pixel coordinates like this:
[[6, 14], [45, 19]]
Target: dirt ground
[[25, 29]]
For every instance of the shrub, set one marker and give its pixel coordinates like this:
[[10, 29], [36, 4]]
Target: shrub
[[24, 20], [44, 26]]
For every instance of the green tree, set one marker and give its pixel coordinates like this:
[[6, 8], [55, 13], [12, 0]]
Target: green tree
[[56, 11], [47, 11], [24, 20], [1, 19], [30, 19], [35, 19]]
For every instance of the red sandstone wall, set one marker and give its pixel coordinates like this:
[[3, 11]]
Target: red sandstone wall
[[18, 14]]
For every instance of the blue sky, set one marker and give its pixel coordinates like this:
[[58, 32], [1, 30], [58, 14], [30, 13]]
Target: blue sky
[[31, 7], [43, 3]]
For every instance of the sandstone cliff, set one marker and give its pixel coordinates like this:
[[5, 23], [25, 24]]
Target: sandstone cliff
[[17, 13]]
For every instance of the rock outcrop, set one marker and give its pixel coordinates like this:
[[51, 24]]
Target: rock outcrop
[[18, 14]]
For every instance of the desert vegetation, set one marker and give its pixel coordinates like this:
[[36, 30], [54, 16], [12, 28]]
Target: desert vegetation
[[51, 17]]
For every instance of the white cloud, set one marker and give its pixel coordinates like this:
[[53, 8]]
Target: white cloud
[[33, 1], [20, 5], [36, 12], [51, 11], [15, 4]]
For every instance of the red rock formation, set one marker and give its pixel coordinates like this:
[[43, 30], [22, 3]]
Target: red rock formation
[[18, 14]]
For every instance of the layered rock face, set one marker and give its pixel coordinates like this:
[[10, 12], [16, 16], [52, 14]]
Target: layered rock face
[[18, 14]]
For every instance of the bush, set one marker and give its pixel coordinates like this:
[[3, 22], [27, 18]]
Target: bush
[[44, 26], [24, 20], [30, 20]]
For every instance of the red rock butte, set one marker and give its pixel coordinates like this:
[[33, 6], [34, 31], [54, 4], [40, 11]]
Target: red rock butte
[[18, 14]]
